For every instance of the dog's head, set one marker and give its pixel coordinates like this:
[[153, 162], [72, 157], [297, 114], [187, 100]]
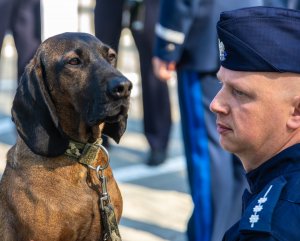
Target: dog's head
[[70, 90]]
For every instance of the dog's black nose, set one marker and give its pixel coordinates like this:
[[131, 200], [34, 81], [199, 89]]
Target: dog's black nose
[[119, 87]]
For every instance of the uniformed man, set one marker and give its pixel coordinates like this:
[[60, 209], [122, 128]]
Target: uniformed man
[[258, 117], [186, 41]]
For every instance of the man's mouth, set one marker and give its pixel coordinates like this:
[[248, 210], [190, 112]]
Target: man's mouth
[[222, 129]]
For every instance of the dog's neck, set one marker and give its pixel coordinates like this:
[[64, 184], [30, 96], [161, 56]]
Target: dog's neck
[[81, 132]]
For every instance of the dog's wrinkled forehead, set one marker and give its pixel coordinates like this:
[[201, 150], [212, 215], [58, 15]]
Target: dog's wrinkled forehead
[[61, 44]]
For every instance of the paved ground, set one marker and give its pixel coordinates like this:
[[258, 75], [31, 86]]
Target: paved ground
[[156, 200]]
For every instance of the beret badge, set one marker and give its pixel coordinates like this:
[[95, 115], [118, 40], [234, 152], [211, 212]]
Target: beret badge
[[222, 51]]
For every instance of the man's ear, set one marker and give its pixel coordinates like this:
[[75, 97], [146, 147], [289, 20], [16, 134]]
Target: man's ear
[[294, 119]]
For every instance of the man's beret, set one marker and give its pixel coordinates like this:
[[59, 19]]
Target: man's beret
[[263, 39]]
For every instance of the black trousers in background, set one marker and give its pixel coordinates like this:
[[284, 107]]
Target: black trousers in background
[[156, 102], [22, 18]]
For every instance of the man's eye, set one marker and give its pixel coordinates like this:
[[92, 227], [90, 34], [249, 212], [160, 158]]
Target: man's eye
[[74, 61], [237, 92]]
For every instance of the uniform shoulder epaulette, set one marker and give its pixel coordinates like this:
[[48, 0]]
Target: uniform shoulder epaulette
[[258, 215]]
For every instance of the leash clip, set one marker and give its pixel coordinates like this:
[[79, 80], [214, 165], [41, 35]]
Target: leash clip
[[104, 198]]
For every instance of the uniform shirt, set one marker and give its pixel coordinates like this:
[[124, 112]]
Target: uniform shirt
[[271, 211]]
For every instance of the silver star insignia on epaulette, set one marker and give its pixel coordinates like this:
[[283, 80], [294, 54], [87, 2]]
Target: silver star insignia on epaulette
[[254, 218], [257, 208]]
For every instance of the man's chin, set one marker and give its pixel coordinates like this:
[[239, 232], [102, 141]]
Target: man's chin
[[227, 146]]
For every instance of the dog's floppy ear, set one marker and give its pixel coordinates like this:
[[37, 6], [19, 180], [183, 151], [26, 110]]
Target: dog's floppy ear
[[115, 130], [34, 114]]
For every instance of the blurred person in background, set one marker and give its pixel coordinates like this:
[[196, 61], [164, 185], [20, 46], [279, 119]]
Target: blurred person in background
[[156, 102], [186, 41], [293, 4], [22, 18]]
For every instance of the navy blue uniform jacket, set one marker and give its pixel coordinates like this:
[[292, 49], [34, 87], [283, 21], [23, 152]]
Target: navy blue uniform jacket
[[272, 210]]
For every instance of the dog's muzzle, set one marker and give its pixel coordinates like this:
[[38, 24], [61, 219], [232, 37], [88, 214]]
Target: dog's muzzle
[[117, 103]]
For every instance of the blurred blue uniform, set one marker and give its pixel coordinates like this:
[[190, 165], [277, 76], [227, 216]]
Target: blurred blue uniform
[[293, 4], [157, 111], [272, 210], [22, 18], [186, 34]]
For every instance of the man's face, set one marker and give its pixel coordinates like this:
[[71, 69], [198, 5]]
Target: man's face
[[252, 111]]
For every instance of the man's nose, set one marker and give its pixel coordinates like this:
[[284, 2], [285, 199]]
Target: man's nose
[[216, 105], [212, 106]]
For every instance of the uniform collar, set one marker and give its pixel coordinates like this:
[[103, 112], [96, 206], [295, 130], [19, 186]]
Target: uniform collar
[[283, 163]]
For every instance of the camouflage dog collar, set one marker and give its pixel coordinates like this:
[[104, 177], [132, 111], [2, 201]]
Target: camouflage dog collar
[[85, 153]]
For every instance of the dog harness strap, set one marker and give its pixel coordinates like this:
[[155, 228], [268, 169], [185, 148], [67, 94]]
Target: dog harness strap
[[108, 217], [87, 154], [109, 224]]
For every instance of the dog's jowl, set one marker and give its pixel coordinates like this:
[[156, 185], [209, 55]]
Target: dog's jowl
[[58, 184]]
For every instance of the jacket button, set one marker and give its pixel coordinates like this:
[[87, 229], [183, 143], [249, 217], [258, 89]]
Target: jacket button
[[170, 47]]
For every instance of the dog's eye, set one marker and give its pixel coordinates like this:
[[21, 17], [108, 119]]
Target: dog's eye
[[74, 61], [112, 57]]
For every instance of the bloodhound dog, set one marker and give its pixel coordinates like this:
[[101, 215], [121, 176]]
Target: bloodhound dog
[[69, 95]]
